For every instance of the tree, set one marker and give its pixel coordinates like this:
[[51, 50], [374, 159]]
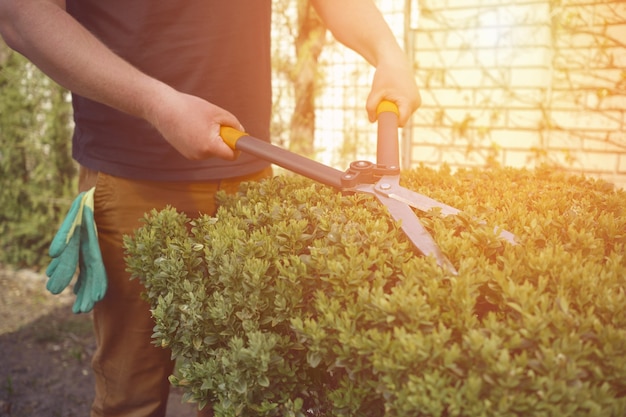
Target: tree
[[37, 174]]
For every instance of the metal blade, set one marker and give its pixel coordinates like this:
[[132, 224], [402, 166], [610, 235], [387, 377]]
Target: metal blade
[[416, 232], [389, 186], [506, 235]]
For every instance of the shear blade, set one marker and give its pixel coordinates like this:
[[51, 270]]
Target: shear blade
[[416, 232], [420, 201], [423, 203]]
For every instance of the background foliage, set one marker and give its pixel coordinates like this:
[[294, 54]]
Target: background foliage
[[296, 300], [37, 174]]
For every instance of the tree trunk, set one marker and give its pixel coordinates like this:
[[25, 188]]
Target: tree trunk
[[309, 43]]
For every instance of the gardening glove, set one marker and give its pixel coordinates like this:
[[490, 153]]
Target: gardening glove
[[76, 243]]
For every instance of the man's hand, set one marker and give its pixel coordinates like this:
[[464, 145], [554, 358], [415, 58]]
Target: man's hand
[[360, 26], [394, 81], [192, 125]]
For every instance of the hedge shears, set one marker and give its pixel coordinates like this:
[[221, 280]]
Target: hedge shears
[[380, 179]]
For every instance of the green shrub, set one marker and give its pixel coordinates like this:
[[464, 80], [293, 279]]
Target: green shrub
[[295, 300]]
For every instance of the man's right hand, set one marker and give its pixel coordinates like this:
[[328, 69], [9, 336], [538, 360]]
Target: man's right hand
[[192, 125]]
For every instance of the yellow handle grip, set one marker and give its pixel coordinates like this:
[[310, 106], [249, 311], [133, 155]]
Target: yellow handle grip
[[230, 135], [387, 106]]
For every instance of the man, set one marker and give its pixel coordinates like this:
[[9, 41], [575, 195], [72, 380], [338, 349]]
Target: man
[[152, 83]]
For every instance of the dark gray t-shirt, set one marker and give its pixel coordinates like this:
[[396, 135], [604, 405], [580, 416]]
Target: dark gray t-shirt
[[215, 49]]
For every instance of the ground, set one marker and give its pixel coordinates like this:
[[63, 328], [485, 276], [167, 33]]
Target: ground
[[45, 352]]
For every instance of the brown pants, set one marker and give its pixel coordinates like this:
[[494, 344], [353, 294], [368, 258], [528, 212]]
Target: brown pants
[[131, 373]]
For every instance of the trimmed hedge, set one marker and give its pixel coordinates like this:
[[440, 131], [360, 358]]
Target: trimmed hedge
[[296, 300]]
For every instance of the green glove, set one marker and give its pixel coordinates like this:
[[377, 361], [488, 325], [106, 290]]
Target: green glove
[[76, 244]]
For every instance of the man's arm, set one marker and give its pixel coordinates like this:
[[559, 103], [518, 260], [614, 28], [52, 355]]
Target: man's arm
[[359, 25], [63, 49]]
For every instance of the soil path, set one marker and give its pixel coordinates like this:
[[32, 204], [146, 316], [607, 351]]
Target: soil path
[[45, 352]]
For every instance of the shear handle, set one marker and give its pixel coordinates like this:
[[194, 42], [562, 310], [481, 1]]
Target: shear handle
[[387, 149], [241, 141]]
